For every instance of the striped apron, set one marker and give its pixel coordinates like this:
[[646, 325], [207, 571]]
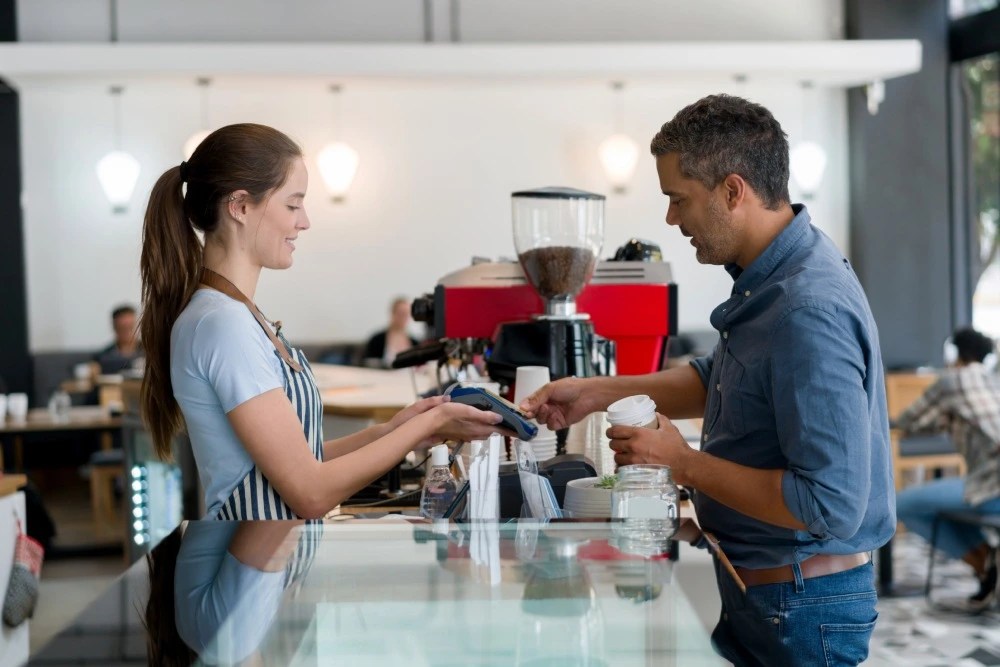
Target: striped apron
[[254, 497]]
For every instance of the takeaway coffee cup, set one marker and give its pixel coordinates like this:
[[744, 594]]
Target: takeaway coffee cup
[[633, 411]]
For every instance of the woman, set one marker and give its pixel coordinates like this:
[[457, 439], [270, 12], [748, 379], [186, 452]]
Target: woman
[[383, 347], [217, 367]]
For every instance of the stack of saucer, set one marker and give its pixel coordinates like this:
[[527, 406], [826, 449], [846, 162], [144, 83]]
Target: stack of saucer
[[584, 500]]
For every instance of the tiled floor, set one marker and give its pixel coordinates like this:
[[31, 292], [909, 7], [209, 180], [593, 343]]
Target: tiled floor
[[912, 632]]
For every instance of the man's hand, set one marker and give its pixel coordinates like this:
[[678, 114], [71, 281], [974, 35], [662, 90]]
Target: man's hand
[[666, 446], [561, 403]]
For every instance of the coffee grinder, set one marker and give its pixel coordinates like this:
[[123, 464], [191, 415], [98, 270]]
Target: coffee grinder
[[558, 233]]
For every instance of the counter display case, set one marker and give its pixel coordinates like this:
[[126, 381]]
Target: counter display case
[[158, 495], [391, 592]]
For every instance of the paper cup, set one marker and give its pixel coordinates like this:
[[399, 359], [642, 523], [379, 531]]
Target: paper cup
[[633, 411], [17, 407], [528, 380]]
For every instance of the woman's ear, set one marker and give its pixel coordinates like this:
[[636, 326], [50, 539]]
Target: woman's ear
[[236, 205]]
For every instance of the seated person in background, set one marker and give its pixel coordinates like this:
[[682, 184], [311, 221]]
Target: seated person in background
[[965, 402], [121, 354], [383, 347]]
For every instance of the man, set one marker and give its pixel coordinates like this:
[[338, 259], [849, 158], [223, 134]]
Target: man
[[794, 475], [122, 353], [966, 402]]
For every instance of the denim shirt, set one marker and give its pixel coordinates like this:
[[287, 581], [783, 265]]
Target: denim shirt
[[796, 383]]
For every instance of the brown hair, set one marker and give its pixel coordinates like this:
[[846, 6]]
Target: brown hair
[[164, 645], [250, 157]]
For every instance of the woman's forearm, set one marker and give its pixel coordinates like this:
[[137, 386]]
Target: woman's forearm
[[349, 443], [332, 482]]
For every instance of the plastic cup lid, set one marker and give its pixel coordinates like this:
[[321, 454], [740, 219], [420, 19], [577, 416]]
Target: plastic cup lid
[[638, 409]]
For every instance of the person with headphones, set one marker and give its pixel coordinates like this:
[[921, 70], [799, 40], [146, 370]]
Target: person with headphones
[[965, 402]]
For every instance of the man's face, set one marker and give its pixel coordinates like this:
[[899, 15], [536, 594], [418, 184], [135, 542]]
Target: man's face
[[700, 213], [124, 326]]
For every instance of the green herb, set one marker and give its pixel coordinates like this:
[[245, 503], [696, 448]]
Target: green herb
[[606, 482]]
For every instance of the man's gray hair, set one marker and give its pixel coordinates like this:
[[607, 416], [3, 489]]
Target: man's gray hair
[[722, 134]]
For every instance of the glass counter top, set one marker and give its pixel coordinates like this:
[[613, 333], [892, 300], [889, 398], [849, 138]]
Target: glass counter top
[[390, 592]]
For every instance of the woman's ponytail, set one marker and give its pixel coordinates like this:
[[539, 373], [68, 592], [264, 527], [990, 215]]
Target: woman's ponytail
[[170, 267]]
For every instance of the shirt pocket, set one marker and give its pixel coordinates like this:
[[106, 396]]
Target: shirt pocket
[[727, 416]]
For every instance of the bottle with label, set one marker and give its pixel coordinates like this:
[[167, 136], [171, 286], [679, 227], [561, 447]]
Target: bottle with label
[[439, 485]]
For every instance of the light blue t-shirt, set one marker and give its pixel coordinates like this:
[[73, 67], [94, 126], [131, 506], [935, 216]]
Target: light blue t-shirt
[[219, 358]]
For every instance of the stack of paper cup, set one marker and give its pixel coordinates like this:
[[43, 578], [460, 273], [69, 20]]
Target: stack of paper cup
[[493, 387], [528, 380]]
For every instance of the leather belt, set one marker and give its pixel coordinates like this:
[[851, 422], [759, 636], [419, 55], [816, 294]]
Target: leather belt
[[814, 566]]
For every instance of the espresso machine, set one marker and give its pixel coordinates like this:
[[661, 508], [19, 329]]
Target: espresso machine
[[559, 305]]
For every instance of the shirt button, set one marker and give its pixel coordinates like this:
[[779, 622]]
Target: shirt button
[[725, 616], [725, 334], [718, 387], [704, 437], [776, 620], [747, 293]]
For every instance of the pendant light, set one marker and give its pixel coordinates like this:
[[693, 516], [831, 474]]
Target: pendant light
[[195, 139], [118, 171], [618, 153], [337, 161], [807, 159]]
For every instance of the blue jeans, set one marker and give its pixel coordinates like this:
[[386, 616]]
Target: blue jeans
[[820, 621], [917, 505]]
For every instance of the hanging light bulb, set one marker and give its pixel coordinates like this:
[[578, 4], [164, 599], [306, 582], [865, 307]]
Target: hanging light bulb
[[807, 162], [195, 139], [807, 159], [618, 153], [337, 162], [118, 171]]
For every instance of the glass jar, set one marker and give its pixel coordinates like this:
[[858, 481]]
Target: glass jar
[[645, 498]]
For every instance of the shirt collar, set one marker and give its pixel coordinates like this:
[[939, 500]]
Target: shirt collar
[[782, 245]]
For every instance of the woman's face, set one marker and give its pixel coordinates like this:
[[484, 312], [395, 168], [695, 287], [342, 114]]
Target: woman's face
[[282, 216]]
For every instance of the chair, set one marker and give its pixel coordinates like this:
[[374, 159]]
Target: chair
[[926, 452], [988, 521], [105, 467]]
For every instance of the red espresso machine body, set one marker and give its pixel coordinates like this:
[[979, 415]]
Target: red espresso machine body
[[633, 304]]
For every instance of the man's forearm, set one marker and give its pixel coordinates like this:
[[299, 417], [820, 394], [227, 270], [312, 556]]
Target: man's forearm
[[677, 392], [751, 491]]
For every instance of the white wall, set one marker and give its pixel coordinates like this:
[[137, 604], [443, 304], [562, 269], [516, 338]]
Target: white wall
[[438, 162]]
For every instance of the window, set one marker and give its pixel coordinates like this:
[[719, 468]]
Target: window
[[960, 8], [981, 83]]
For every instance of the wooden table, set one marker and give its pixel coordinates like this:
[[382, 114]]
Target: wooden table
[[108, 388], [11, 483], [367, 393], [40, 420]]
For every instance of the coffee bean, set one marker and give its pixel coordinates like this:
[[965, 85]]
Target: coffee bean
[[558, 270]]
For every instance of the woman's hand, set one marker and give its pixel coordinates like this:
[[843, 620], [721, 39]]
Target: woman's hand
[[455, 421], [420, 407]]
